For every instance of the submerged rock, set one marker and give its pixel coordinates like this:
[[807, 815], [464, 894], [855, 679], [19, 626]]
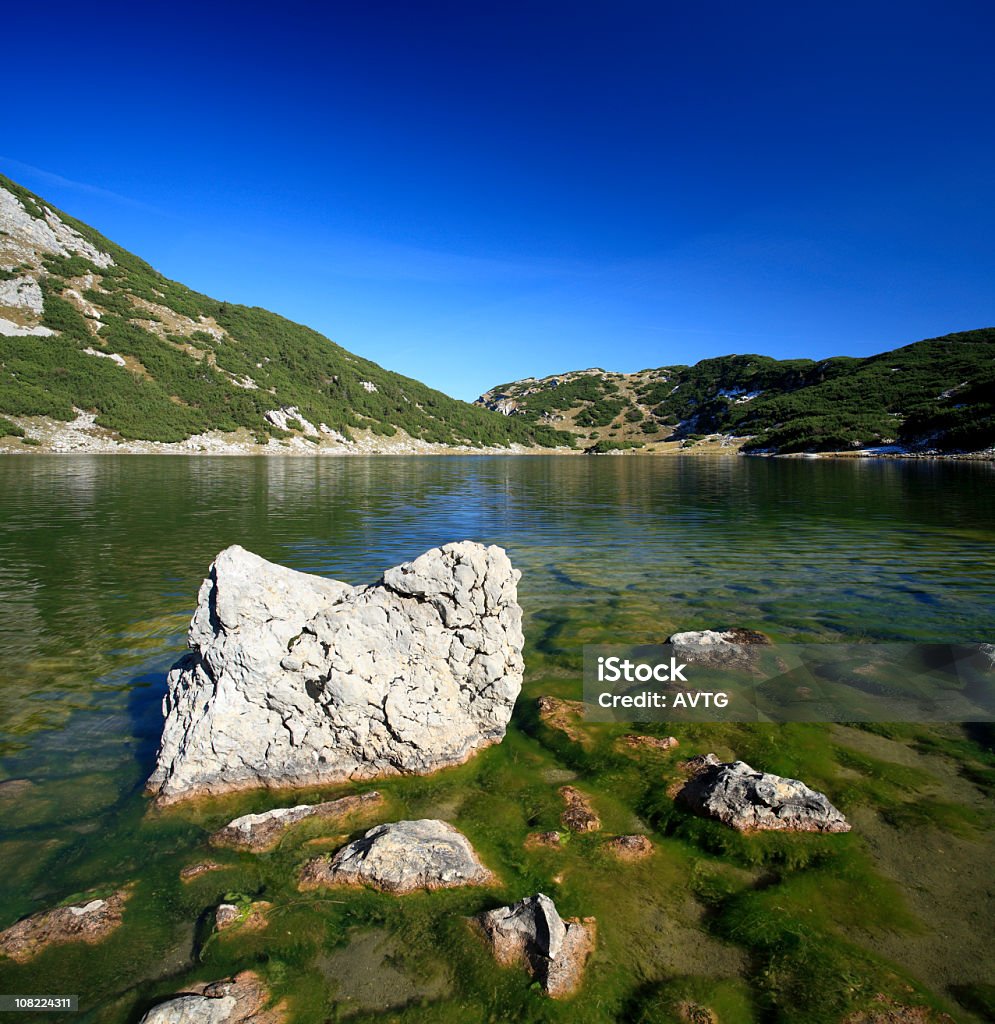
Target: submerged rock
[[238, 1000], [259, 832], [296, 680], [532, 934], [88, 922], [400, 857], [537, 840], [250, 915], [634, 847], [635, 741], [14, 789], [579, 815], [746, 799], [727, 648], [563, 715], [192, 871]]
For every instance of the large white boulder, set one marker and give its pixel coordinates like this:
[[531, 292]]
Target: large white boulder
[[295, 680]]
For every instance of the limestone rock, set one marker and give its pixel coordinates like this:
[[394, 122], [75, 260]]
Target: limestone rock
[[727, 648], [746, 799], [260, 832], [238, 1000], [88, 922], [296, 680], [531, 933], [400, 857], [579, 815]]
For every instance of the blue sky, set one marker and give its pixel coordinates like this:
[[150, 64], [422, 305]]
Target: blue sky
[[475, 192]]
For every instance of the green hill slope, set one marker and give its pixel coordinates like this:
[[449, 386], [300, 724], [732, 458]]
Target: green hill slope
[[86, 325], [937, 394]]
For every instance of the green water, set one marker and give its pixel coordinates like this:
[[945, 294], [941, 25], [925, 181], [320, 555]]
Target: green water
[[100, 560]]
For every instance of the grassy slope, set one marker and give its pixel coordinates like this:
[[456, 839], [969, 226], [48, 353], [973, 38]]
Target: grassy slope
[[179, 379], [937, 393]]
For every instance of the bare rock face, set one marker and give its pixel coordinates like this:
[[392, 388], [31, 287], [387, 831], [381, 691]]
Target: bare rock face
[[750, 800], [260, 832], [532, 934], [88, 922], [297, 680], [238, 1000], [400, 857]]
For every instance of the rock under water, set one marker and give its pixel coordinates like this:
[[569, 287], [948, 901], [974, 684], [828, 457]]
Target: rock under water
[[87, 922], [260, 832], [294, 680]]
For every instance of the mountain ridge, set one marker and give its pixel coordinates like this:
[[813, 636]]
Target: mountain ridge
[[942, 400], [99, 351]]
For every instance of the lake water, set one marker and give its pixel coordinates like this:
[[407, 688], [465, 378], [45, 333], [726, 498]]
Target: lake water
[[100, 561]]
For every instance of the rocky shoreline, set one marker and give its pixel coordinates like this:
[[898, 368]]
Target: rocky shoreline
[[293, 678], [81, 436]]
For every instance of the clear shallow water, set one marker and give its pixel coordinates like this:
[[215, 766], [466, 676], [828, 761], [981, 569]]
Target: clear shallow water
[[101, 558]]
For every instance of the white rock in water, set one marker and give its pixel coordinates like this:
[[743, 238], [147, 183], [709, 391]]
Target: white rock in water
[[746, 799], [296, 680], [532, 933]]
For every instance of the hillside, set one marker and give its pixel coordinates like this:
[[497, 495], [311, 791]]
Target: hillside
[[933, 395], [91, 335]]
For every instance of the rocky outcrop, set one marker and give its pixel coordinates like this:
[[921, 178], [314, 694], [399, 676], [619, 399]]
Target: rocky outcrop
[[87, 922], [400, 857], [579, 815], [297, 680], [750, 800], [728, 648], [260, 832], [238, 1000], [532, 934]]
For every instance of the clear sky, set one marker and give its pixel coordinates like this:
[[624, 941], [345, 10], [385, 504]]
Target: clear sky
[[470, 193]]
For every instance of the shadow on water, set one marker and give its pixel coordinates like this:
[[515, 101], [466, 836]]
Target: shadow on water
[[144, 707]]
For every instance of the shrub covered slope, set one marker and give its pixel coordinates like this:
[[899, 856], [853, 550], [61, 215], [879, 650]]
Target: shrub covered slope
[[177, 363], [937, 394]]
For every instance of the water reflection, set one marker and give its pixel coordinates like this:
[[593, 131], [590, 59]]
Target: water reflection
[[100, 557]]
